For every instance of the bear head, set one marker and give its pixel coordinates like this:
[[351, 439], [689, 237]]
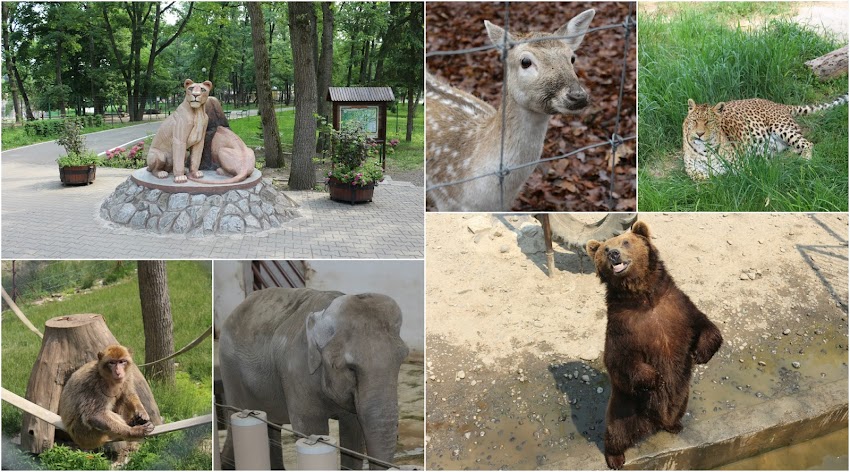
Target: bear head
[[626, 260]]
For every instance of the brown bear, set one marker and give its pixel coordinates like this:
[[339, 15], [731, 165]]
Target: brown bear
[[654, 336]]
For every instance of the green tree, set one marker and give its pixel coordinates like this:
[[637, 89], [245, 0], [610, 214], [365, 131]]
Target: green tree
[[302, 21], [271, 136]]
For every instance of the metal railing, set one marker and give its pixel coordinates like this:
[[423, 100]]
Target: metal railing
[[615, 140]]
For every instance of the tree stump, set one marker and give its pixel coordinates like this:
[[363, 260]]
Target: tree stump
[[69, 342], [829, 65]]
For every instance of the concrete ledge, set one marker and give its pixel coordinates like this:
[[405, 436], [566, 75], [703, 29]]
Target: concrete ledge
[[736, 435], [144, 178]]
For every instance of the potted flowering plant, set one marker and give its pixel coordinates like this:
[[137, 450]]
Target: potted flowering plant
[[79, 165], [356, 170]]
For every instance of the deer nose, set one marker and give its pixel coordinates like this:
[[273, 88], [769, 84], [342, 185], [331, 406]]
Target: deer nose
[[577, 97]]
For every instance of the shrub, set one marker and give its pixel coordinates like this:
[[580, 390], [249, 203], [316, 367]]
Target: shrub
[[64, 458], [354, 157], [71, 137]]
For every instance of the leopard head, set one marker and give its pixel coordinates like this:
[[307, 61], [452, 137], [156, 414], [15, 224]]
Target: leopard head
[[197, 94], [702, 126]]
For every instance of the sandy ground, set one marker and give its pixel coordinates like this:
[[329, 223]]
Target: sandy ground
[[829, 16], [513, 360]]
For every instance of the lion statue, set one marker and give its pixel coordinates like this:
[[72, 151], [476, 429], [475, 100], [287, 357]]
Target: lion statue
[[226, 151], [184, 129]]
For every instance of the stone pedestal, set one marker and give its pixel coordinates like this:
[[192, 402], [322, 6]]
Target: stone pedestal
[[146, 203]]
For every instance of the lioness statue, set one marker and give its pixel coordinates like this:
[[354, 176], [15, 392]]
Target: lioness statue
[[184, 129], [226, 149]]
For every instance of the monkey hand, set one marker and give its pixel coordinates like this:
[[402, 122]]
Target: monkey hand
[[142, 430], [141, 417]]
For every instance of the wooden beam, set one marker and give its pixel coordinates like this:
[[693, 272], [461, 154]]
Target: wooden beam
[[19, 313], [36, 410]]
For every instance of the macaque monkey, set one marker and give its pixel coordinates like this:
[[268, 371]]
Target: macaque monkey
[[99, 401]]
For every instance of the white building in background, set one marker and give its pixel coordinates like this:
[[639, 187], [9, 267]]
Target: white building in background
[[404, 281]]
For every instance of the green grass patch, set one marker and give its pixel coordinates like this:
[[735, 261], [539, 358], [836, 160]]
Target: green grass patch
[[15, 136], [64, 458], [694, 54], [250, 129], [191, 301]]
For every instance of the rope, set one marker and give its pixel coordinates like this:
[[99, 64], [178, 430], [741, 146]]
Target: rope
[[20, 314], [181, 351], [299, 434]]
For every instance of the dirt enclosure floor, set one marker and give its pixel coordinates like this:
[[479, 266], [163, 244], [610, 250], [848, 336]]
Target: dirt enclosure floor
[[514, 370]]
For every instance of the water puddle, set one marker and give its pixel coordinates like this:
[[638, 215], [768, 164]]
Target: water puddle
[[827, 452]]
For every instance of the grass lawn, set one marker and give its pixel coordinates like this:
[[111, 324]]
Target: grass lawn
[[191, 298], [710, 54]]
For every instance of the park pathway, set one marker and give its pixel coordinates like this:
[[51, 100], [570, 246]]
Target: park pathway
[[41, 219]]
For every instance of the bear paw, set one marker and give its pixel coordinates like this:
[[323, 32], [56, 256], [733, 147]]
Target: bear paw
[[615, 461]]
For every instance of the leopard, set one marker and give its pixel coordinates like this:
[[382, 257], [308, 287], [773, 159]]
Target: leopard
[[715, 135], [185, 128]]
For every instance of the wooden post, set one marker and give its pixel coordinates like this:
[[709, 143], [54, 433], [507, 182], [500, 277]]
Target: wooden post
[[69, 342], [250, 441], [547, 236]]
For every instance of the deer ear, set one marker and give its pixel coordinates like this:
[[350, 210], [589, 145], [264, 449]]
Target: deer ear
[[497, 33], [575, 29]]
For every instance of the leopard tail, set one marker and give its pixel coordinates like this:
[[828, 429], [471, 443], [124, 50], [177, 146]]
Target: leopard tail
[[806, 109]]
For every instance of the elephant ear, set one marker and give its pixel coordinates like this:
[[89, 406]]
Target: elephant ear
[[320, 330]]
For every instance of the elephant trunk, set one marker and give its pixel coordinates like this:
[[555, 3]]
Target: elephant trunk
[[377, 412]]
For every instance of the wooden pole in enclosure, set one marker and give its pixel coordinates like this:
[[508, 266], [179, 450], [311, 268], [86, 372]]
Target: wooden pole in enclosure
[[68, 343], [216, 450], [547, 237], [250, 441]]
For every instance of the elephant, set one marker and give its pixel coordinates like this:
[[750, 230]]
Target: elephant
[[306, 356]]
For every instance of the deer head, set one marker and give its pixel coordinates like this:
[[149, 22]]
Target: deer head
[[540, 74]]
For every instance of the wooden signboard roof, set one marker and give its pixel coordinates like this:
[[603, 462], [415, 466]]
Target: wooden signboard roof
[[360, 94]]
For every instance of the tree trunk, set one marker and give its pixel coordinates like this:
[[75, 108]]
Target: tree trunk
[[7, 56], [411, 111], [350, 64], [69, 342], [58, 69], [271, 135], [829, 66], [301, 17], [156, 316], [214, 60], [325, 70]]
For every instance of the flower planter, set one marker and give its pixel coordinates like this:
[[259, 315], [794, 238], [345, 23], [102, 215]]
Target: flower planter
[[343, 192], [77, 175]]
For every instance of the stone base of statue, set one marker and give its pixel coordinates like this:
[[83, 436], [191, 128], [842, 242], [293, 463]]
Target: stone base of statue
[[146, 203]]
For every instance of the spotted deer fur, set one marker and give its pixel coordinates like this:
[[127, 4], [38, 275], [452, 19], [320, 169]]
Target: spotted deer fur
[[464, 133]]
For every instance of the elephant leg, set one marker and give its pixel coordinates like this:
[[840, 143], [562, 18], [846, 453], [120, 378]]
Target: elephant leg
[[228, 462], [275, 449], [351, 437]]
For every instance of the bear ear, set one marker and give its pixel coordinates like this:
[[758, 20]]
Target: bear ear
[[641, 229], [591, 247]]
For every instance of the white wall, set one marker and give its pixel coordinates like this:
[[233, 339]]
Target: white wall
[[404, 281], [230, 289]]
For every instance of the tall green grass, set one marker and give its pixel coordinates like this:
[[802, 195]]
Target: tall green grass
[[191, 298], [693, 54]]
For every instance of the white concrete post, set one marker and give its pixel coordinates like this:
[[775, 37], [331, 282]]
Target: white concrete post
[[317, 455], [250, 441], [216, 450]]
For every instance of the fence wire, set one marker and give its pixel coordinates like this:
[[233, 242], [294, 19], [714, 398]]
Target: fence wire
[[615, 140], [280, 427]]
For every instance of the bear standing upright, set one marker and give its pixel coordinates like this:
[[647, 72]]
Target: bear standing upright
[[654, 336]]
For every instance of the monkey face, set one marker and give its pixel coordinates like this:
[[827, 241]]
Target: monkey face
[[117, 369]]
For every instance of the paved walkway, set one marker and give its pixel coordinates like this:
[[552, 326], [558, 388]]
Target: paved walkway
[[41, 219]]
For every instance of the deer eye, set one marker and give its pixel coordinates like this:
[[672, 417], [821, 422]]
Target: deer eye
[[573, 59], [525, 62]]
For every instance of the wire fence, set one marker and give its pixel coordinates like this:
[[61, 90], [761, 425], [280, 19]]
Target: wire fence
[[628, 24], [298, 434], [31, 280]]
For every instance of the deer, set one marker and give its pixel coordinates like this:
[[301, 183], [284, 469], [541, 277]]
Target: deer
[[464, 133]]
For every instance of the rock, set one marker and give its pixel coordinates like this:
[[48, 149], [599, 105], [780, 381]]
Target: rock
[[786, 331], [198, 199], [599, 390], [504, 248], [139, 220], [178, 201], [762, 363], [460, 375], [744, 276], [123, 213], [231, 224], [795, 365], [479, 224], [182, 223], [585, 378], [530, 239]]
